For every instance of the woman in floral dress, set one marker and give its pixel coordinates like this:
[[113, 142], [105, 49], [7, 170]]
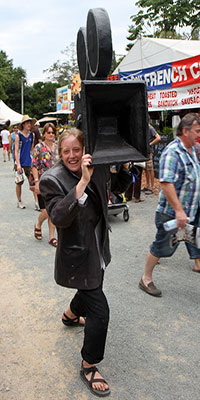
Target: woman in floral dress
[[44, 157]]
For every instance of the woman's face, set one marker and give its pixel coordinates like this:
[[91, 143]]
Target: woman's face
[[49, 135], [71, 153]]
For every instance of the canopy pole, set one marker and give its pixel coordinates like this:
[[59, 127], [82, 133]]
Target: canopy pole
[[22, 96]]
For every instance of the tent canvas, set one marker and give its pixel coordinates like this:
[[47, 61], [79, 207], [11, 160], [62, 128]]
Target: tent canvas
[[173, 77], [6, 113], [148, 52], [61, 112], [47, 119]]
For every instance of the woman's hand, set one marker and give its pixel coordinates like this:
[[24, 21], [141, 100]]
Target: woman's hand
[[87, 171]]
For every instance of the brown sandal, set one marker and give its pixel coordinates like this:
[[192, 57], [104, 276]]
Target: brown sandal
[[37, 233], [93, 370], [53, 242]]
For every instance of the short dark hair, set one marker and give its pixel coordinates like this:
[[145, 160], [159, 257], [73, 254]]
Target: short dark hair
[[187, 122]]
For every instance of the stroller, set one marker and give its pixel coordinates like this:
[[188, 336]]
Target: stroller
[[117, 205]]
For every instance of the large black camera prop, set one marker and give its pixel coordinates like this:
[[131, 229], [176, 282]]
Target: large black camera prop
[[112, 114]]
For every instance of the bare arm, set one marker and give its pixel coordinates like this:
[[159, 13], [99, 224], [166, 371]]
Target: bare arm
[[172, 198], [17, 154], [36, 178], [32, 146], [10, 140], [156, 140]]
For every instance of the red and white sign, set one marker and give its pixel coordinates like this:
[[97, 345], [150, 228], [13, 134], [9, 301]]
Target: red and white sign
[[170, 86], [174, 99]]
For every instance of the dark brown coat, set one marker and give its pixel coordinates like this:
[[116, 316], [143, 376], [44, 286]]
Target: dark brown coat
[[77, 262]]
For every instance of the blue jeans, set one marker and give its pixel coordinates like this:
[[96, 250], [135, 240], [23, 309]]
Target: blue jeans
[[164, 244]]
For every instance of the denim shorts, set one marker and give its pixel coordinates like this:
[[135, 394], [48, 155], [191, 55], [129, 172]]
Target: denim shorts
[[165, 244]]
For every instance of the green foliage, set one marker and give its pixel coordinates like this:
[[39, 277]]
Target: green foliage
[[10, 82], [167, 131], [162, 18], [61, 72], [39, 98]]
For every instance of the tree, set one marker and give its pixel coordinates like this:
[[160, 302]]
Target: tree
[[5, 70], [134, 33], [163, 18], [40, 98], [10, 82], [61, 73], [13, 89]]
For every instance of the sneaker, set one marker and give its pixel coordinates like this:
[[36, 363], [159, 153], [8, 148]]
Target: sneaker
[[20, 205], [37, 207]]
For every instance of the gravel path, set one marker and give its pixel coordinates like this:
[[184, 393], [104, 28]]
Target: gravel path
[[152, 349]]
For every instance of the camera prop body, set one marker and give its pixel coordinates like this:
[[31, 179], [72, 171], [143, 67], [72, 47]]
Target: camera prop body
[[112, 114]]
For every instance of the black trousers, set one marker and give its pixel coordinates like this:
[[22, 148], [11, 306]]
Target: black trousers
[[93, 305], [135, 188]]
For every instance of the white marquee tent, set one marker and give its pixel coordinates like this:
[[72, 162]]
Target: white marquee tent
[[170, 68], [148, 52], [7, 113]]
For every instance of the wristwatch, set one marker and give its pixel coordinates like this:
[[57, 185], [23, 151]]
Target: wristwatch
[[36, 180]]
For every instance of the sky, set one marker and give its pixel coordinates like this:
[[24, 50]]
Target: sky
[[34, 32]]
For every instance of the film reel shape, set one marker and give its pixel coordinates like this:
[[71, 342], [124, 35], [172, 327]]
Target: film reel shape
[[94, 46]]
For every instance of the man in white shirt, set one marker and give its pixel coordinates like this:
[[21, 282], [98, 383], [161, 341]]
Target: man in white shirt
[[5, 136]]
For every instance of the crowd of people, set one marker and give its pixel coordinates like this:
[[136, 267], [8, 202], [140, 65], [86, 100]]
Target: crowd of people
[[73, 195], [33, 152]]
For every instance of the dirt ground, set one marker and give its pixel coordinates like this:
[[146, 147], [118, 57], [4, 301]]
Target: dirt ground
[[156, 184], [152, 350]]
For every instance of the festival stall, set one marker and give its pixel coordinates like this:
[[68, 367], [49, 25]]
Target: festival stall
[[170, 68]]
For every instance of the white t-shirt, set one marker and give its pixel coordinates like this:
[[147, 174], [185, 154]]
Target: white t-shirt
[[5, 136]]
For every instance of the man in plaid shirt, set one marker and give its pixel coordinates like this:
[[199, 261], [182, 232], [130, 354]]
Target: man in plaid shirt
[[179, 173]]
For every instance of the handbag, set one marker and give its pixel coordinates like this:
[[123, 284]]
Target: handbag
[[19, 178]]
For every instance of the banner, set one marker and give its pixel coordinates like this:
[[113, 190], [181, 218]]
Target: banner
[[171, 86], [63, 99]]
